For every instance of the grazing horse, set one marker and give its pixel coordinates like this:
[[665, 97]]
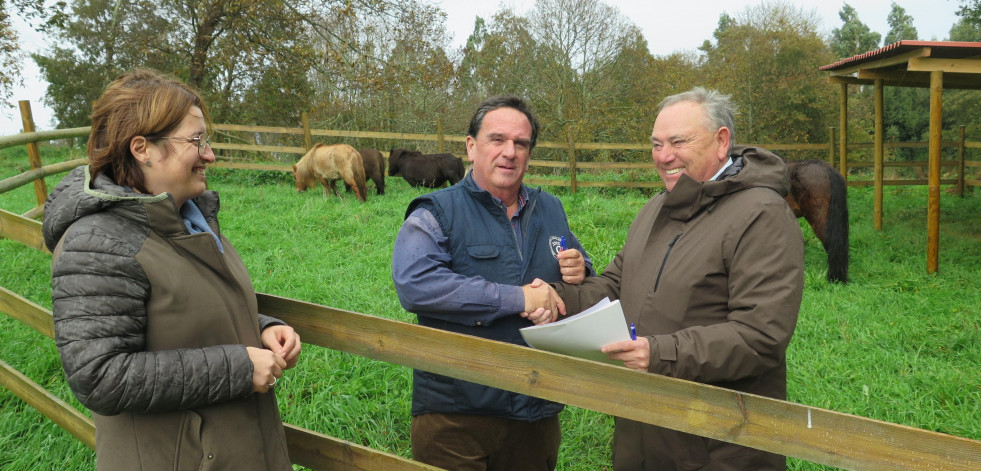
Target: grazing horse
[[325, 164], [428, 170], [818, 193], [374, 167]]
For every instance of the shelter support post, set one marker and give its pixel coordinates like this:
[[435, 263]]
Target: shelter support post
[[933, 200], [878, 156], [831, 146], [843, 125], [961, 130]]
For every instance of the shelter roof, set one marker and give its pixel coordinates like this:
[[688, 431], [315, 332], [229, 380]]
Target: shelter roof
[[909, 64]]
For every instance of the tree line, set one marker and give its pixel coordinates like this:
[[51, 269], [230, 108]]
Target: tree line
[[387, 65]]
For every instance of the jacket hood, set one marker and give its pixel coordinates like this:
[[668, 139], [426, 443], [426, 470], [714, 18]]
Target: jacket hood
[[78, 195], [761, 169]]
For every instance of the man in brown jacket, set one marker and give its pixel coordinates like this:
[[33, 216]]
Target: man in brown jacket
[[711, 273]]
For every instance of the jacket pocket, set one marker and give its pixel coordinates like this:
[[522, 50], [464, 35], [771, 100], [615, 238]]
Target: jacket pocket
[[483, 251], [664, 261], [189, 454]]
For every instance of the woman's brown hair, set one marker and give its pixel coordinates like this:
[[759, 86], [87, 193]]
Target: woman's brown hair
[[142, 102]]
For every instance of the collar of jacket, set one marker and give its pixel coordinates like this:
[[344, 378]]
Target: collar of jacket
[[79, 195], [759, 168], [484, 196]]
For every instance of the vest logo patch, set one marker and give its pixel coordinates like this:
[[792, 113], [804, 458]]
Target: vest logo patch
[[555, 245]]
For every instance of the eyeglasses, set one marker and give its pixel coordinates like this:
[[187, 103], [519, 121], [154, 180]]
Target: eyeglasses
[[201, 142]]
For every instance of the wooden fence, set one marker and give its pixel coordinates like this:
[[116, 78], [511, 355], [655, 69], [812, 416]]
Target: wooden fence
[[571, 164], [796, 430], [574, 166]]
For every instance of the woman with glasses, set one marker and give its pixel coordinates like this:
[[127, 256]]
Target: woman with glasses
[[155, 316]]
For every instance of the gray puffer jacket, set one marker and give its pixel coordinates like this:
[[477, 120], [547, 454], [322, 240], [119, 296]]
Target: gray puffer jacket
[[152, 324]]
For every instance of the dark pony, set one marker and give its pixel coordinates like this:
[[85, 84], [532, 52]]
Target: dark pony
[[428, 170], [818, 193], [374, 167]]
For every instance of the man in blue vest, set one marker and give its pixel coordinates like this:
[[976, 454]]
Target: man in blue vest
[[463, 261]]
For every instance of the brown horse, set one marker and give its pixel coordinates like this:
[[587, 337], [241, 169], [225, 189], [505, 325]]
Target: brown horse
[[325, 164], [374, 167], [818, 193], [427, 170]]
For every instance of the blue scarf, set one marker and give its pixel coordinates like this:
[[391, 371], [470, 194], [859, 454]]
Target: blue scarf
[[195, 222]]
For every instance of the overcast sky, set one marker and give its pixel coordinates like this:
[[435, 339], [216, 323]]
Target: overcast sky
[[673, 25], [668, 25]]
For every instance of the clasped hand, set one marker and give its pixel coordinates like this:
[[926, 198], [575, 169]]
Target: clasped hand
[[542, 303], [281, 353], [572, 265]]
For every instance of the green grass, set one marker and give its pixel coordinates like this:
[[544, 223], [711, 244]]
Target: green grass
[[896, 344]]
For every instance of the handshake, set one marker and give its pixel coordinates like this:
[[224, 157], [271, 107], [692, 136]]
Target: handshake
[[542, 303]]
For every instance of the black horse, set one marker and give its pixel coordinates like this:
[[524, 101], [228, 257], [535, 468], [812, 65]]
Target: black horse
[[428, 170], [818, 193]]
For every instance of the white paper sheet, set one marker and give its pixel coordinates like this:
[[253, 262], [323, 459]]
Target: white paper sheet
[[583, 334]]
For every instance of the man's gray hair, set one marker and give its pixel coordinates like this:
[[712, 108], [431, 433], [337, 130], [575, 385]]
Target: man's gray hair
[[719, 108]]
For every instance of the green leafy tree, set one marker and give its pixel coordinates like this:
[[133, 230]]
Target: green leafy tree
[[900, 25], [970, 10], [10, 56], [227, 49], [383, 67], [586, 47], [633, 92], [960, 106], [968, 28], [500, 56], [767, 58], [906, 110], [854, 37], [965, 30]]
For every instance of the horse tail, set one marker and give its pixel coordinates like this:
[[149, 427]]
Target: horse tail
[[836, 240], [357, 171]]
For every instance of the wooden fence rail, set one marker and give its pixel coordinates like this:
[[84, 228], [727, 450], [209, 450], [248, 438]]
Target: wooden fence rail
[[800, 431], [571, 164]]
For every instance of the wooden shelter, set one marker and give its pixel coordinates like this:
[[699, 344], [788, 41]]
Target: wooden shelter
[[927, 64]]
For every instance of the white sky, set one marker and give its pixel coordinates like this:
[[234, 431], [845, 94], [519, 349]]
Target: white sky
[[668, 25]]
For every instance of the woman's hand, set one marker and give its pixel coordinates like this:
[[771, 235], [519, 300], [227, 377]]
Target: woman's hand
[[267, 367], [284, 341]]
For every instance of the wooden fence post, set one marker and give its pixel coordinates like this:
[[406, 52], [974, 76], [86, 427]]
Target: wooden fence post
[[959, 189], [831, 145], [307, 137], [572, 159], [843, 140], [440, 141], [33, 153]]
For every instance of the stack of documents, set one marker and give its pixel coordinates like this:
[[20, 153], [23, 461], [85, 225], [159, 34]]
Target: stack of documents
[[582, 335]]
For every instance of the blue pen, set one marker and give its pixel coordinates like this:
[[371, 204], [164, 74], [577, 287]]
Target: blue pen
[[562, 243], [633, 331]]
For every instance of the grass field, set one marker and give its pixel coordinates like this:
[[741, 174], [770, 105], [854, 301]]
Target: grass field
[[896, 344]]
